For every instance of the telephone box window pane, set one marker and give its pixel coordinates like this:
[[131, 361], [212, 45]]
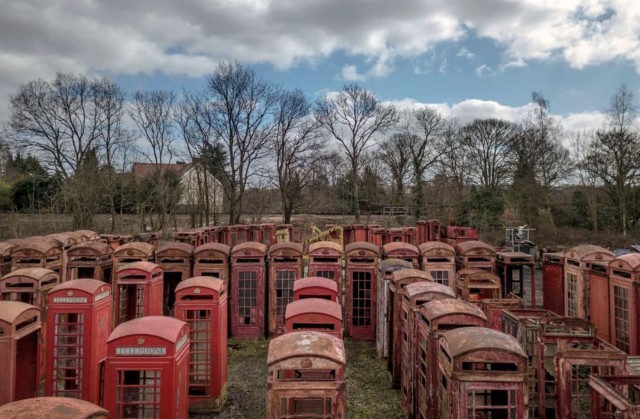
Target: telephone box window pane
[[138, 394], [247, 297], [621, 317], [284, 293], [68, 351], [572, 297], [326, 274], [441, 277], [361, 312], [200, 356]]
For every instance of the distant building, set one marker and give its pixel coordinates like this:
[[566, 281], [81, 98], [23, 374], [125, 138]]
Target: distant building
[[189, 173]]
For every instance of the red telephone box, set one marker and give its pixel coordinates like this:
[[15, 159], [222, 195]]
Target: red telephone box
[[174, 258], [285, 267], [201, 302], [553, 282], [147, 369], [493, 308], [395, 235], [52, 408], [325, 260], [624, 303], [615, 396], [386, 268], [399, 280], [268, 234], [360, 233], [437, 316], [90, 259], [468, 384], [576, 277], [439, 260], [233, 237], [187, 236], [306, 376], [599, 299], [377, 236], [404, 251], [362, 264], [248, 273], [513, 269], [414, 296], [19, 351], [38, 252], [65, 241], [315, 287], [112, 240], [6, 249], [79, 325], [138, 291], [475, 254], [85, 235], [474, 284], [212, 259], [29, 285], [314, 314], [132, 252]]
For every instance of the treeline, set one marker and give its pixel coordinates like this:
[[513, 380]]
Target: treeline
[[69, 145]]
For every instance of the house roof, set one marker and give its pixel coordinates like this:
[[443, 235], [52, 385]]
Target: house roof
[[141, 170]]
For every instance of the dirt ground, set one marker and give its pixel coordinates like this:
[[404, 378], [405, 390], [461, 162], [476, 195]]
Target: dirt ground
[[369, 394]]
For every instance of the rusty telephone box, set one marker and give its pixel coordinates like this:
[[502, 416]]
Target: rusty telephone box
[[112, 240], [481, 373], [399, 280], [439, 260], [325, 260], [306, 376], [553, 282], [52, 408], [79, 325], [475, 254], [624, 305], [314, 314], [20, 330], [493, 309], [360, 296], [404, 251], [38, 252], [138, 291], [147, 369], [174, 258], [615, 396], [212, 259], [437, 316], [576, 277], [476, 284], [414, 296], [133, 252], [285, 268], [599, 298], [85, 235], [514, 268], [315, 287], [90, 259], [201, 302], [248, 275], [6, 249], [385, 269]]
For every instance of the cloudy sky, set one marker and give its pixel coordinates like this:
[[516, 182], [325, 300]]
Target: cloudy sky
[[470, 58]]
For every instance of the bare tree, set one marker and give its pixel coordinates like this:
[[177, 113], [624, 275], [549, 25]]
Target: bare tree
[[152, 111], [454, 165], [242, 105], [297, 147], [587, 176], [426, 125], [354, 117], [395, 154]]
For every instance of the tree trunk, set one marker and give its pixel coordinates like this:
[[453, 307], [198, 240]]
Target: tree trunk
[[355, 194]]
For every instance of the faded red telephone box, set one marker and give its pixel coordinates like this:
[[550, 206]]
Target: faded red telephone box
[[38, 252], [377, 236], [315, 287], [427, 231], [268, 234], [614, 396], [469, 387], [437, 316], [133, 252], [175, 260], [112, 240], [5, 257], [90, 259], [85, 235], [404, 251], [79, 326], [248, 274], [361, 268], [52, 408], [553, 282], [147, 369], [306, 376], [399, 280], [513, 269], [212, 259], [201, 302], [285, 267], [314, 314], [599, 298], [325, 260], [624, 304], [360, 233], [65, 241], [20, 330], [475, 254], [493, 308], [439, 260], [385, 269], [191, 237], [474, 284], [414, 296], [138, 291], [576, 278]]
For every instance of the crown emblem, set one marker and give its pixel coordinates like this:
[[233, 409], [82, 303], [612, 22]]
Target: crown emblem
[[140, 341], [70, 293]]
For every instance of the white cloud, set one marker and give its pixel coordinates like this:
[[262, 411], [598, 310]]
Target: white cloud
[[483, 71], [350, 73], [465, 53]]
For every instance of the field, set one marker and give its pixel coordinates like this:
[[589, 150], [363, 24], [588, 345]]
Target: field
[[369, 393]]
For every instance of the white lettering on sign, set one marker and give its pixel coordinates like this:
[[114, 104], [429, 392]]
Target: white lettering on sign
[[180, 343], [102, 296], [141, 351], [69, 300]]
